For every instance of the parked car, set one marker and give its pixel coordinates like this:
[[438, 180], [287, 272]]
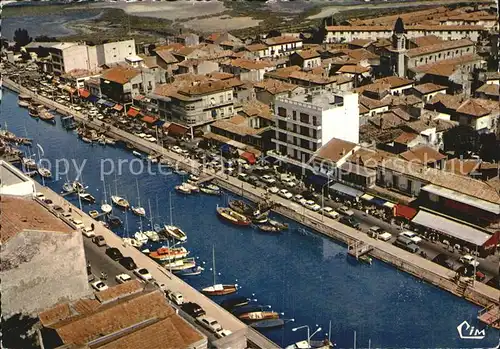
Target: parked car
[[412, 236], [99, 240], [310, 204], [193, 309], [48, 201], [128, 263], [350, 221], [143, 274], [330, 212], [345, 210], [285, 194], [470, 260], [209, 323], [160, 285], [298, 198], [406, 243], [176, 149], [123, 278], [114, 253], [77, 222], [445, 261], [273, 190], [58, 208], [40, 196], [268, 179], [99, 286], [175, 297], [223, 333], [88, 232]]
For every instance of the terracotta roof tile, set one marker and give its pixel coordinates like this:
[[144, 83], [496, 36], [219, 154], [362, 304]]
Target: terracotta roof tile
[[439, 47], [335, 149], [205, 87], [429, 88], [426, 40], [308, 54], [120, 75], [167, 56], [406, 137], [280, 40], [275, 86], [462, 167], [489, 89], [473, 108], [120, 291], [446, 67], [283, 73], [250, 64], [256, 47], [360, 42], [353, 69], [423, 155], [58, 313]]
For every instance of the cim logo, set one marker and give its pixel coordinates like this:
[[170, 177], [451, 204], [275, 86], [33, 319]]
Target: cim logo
[[467, 331]]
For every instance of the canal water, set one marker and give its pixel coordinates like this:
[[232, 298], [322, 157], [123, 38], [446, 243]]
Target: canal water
[[299, 273]]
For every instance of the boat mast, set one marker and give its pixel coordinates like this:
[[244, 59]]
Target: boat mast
[[40, 162], [213, 261], [170, 203], [150, 215], [138, 196], [126, 226], [354, 339], [104, 185]]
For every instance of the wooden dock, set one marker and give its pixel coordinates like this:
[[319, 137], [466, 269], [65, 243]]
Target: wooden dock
[[490, 316]]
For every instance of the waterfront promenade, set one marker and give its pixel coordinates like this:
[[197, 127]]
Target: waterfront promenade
[[480, 294]]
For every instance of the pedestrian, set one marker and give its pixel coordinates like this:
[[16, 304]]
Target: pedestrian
[[70, 210], [102, 276], [92, 226]]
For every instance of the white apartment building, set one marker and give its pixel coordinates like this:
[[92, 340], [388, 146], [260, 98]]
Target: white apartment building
[[198, 104], [345, 33], [306, 122], [282, 46]]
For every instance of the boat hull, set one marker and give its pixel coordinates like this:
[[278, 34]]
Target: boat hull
[[259, 315], [233, 217], [213, 291]]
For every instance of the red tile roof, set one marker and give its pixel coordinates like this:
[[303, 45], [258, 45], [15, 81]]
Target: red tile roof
[[120, 75]]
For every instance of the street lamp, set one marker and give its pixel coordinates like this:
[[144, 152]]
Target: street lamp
[[308, 331]]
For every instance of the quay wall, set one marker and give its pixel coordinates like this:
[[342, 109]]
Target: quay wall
[[426, 270]]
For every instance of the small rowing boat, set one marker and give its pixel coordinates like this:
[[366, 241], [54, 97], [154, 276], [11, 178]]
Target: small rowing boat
[[209, 191], [138, 211], [106, 208], [182, 189], [136, 153], [29, 163], [44, 172], [152, 235], [234, 302], [114, 220], [86, 140], [281, 226], [120, 202], [94, 213], [269, 228], [233, 216], [132, 242], [193, 188], [87, 197], [189, 272], [141, 237]]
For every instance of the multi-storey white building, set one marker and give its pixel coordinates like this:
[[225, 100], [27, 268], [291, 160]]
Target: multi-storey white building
[[304, 123]]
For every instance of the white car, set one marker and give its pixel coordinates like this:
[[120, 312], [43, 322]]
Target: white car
[[160, 285], [40, 196], [150, 139], [468, 259], [310, 204], [298, 198], [222, 333], [143, 274], [99, 286], [176, 149], [285, 194], [345, 210], [77, 222], [268, 179], [209, 323], [122, 278], [140, 135], [330, 212], [243, 176], [88, 232], [176, 297], [273, 190], [412, 236], [291, 184]]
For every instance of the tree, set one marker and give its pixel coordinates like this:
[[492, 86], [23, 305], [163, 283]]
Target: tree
[[462, 140], [43, 52], [273, 34], [21, 38], [45, 38], [151, 48]]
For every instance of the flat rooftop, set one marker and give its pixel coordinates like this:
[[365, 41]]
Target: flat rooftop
[[10, 175], [322, 100]]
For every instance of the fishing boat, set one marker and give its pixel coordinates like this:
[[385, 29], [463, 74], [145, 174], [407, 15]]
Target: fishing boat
[[218, 289], [269, 228], [120, 202], [141, 237], [23, 100], [260, 218], [189, 272], [193, 178], [164, 254], [180, 264], [234, 302], [87, 197], [209, 191], [192, 187], [152, 235], [44, 172], [114, 221], [268, 323], [138, 210], [110, 141], [33, 111], [182, 189], [29, 163], [365, 259], [94, 213], [281, 226], [45, 115], [132, 242], [233, 216], [241, 206], [259, 315]]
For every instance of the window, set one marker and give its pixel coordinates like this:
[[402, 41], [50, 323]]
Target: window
[[221, 99], [294, 114], [304, 118], [135, 86], [114, 48], [282, 112]]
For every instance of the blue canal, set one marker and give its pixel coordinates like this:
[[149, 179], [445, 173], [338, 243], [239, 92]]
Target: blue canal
[[299, 273]]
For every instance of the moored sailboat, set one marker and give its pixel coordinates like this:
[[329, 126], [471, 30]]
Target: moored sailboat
[[180, 264], [44, 172], [138, 210], [87, 197], [258, 315], [172, 230], [218, 289]]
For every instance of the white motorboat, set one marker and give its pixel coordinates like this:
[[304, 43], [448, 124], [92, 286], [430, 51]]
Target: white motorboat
[[141, 237], [183, 189], [192, 187], [29, 163], [152, 235], [87, 197], [110, 141], [77, 186], [106, 208], [153, 159], [44, 172], [67, 187], [132, 242], [176, 233], [138, 211], [180, 264]]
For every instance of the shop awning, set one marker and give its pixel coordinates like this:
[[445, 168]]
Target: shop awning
[[101, 101], [344, 189], [83, 93], [159, 123], [177, 130], [366, 197], [317, 179], [451, 228], [109, 104], [118, 107], [69, 89], [404, 211], [149, 119], [92, 98], [250, 157], [132, 112]]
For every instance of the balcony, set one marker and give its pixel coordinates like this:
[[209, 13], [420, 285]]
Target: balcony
[[292, 146], [297, 134]]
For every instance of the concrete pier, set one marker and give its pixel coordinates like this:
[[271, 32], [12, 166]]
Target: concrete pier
[[422, 268]]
